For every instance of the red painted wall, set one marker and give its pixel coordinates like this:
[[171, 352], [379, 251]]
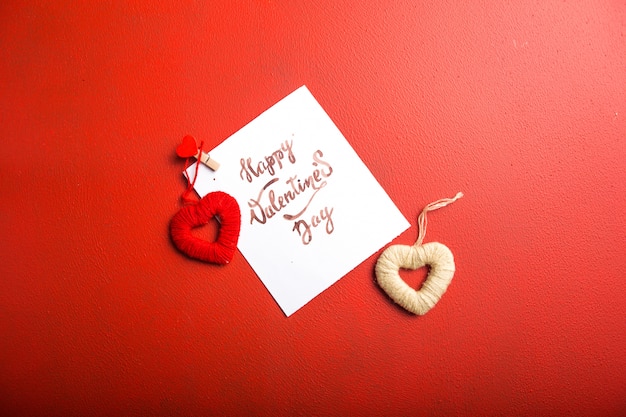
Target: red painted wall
[[520, 105]]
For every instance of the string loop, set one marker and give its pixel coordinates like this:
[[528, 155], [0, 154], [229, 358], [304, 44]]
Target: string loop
[[190, 183], [422, 222]]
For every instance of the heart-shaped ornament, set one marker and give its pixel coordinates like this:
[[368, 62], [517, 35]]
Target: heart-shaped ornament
[[433, 254], [216, 204], [187, 148]]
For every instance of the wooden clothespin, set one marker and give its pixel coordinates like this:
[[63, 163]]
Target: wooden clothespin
[[189, 148], [205, 158]]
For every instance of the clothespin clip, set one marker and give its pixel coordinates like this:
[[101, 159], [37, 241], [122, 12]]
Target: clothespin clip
[[207, 160], [189, 148]]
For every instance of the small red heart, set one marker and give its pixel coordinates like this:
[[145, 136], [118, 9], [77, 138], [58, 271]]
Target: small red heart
[[188, 148]]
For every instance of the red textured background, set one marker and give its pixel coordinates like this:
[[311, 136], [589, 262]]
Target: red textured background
[[520, 105]]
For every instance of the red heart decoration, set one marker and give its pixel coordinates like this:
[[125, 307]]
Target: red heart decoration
[[215, 204], [188, 148]]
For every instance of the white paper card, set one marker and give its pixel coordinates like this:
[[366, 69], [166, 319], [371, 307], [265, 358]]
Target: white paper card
[[311, 210]]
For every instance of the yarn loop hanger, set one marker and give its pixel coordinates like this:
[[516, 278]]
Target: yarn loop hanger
[[422, 221], [435, 255], [195, 213], [184, 150]]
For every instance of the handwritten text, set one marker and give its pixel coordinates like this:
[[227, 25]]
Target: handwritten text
[[268, 164]]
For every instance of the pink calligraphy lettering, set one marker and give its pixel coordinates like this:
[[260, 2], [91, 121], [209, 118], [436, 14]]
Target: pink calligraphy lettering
[[268, 164], [270, 200]]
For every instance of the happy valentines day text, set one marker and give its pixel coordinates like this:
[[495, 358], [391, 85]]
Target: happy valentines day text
[[276, 196]]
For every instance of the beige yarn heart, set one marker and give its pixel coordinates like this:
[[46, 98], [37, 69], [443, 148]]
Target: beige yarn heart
[[433, 254]]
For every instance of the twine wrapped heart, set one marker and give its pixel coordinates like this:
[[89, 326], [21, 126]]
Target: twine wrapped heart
[[216, 204], [435, 255]]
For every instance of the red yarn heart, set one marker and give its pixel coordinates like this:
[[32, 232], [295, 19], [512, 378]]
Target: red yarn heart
[[215, 204], [188, 148]]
